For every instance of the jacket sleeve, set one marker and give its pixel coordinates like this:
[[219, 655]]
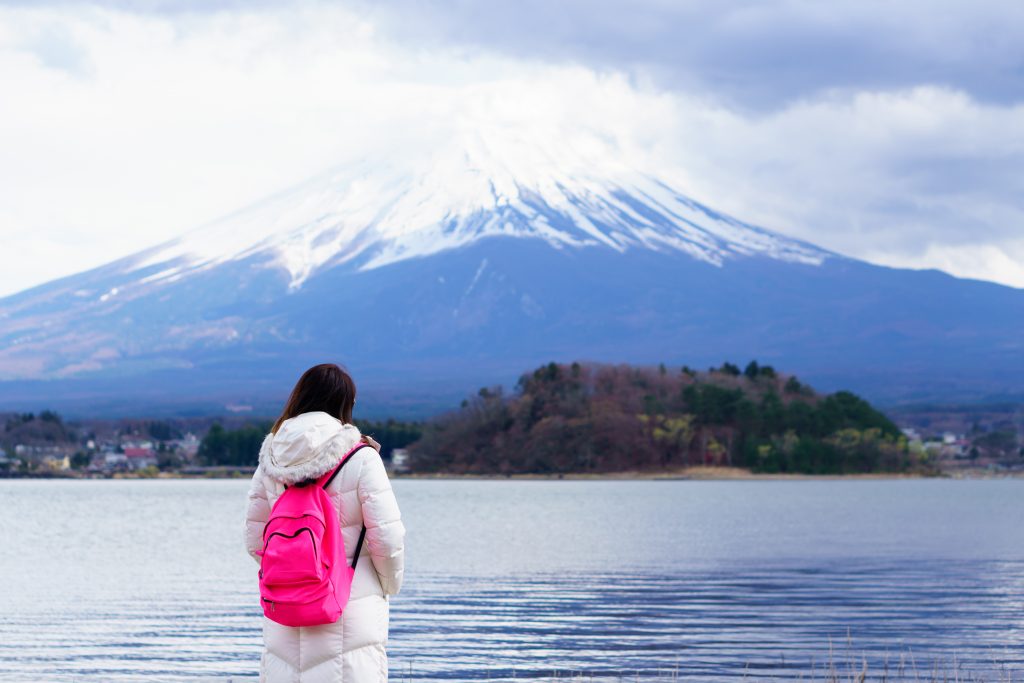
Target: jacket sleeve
[[256, 515], [385, 533]]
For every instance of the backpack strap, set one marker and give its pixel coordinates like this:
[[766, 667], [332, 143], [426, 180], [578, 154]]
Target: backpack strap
[[326, 481], [359, 546], [328, 477]]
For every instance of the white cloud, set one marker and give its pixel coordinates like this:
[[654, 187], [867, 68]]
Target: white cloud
[[122, 129], [759, 54], [925, 177]]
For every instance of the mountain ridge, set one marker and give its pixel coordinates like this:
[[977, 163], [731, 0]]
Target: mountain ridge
[[460, 272]]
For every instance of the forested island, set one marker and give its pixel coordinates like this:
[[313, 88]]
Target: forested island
[[569, 419], [587, 418]]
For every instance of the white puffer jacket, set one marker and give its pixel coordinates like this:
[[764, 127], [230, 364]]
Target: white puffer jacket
[[351, 650]]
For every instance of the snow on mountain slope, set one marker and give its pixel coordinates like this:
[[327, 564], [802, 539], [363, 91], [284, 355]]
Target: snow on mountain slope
[[389, 240], [376, 213], [435, 273]]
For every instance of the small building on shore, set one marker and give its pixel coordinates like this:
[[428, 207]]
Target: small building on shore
[[56, 463], [7, 463], [399, 460], [140, 457], [112, 460]]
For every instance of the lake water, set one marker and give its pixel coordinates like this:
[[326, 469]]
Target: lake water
[[715, 581]]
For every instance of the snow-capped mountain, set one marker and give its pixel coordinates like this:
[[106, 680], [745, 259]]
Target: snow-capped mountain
[[469, 265], [375, 215]]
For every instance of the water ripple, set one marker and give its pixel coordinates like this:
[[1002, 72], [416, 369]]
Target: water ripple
[[713, 581]]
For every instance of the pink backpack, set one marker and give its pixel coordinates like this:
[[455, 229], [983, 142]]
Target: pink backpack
[[304, 579]]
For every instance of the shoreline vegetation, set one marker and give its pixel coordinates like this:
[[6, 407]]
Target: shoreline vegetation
[[563, 421], [700, 473], [697, 473]]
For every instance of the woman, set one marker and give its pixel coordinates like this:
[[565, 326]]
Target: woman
[[312, 435]]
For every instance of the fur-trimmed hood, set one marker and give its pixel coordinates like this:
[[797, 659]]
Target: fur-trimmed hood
[[306, 446]]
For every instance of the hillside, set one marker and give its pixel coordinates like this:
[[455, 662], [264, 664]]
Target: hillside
[[582, 418]]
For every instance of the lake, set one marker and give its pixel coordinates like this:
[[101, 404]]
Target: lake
[[715, 581]]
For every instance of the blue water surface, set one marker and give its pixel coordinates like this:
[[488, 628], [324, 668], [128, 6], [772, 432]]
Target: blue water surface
[[541, 580]]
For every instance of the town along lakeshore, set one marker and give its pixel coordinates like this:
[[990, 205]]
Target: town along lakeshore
[[575, 419]]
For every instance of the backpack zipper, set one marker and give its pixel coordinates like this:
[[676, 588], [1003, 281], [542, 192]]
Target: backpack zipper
[[305, 529]]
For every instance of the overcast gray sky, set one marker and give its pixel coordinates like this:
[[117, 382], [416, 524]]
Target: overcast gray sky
[[890, 131]]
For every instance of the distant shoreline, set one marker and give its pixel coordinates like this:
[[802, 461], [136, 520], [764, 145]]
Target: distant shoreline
[[682, 474], [713, 474]]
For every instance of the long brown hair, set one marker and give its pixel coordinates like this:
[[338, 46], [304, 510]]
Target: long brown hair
[[325, 387]]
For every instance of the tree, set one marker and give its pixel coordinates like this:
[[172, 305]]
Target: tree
[[773, 414], [712, 404], [752, 370], [213, 447], [161, 431], [730, 369], [239, 447], [846, 409], [393, 434], [167, 460]]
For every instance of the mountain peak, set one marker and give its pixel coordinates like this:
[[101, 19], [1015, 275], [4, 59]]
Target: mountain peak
[[378, 212], [499, 252]]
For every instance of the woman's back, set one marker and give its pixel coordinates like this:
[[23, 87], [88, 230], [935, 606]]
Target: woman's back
[[353, 649]]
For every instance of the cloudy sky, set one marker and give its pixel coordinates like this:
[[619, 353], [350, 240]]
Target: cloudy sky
[[889, 131]]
